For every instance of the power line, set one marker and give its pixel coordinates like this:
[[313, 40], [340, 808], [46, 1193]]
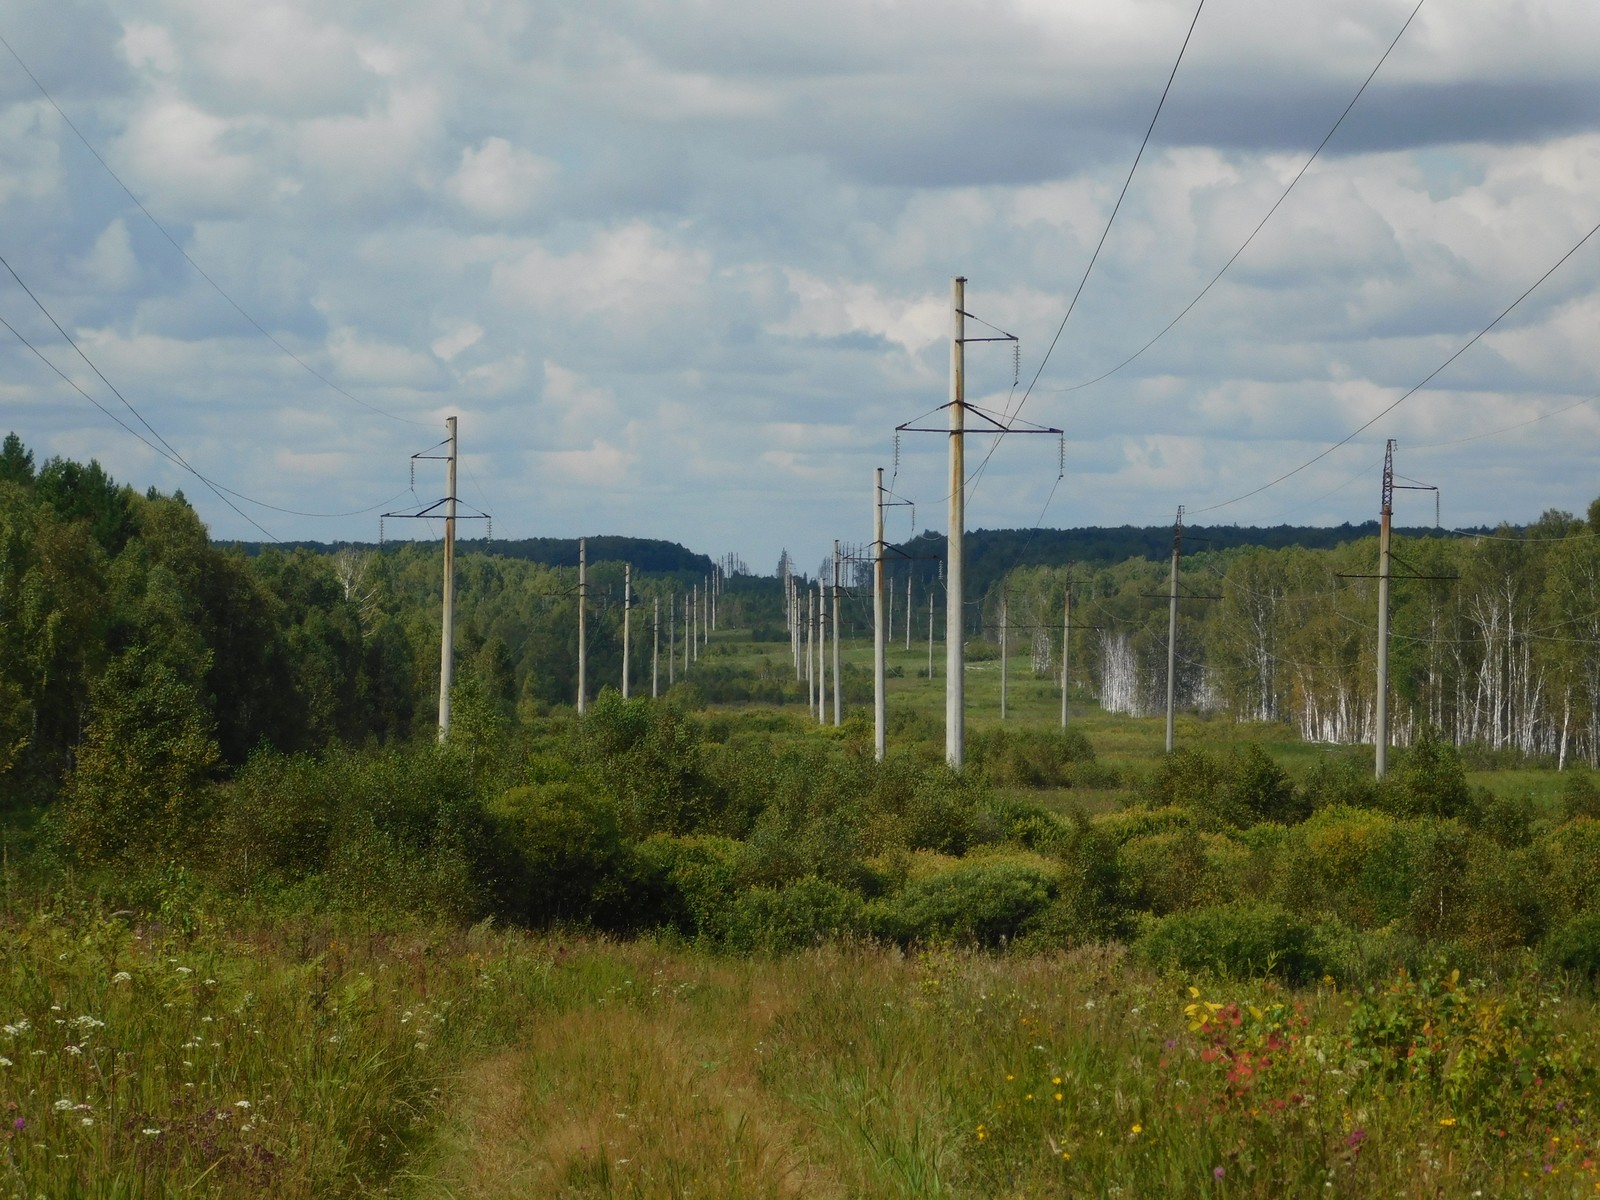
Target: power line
[[1262, 224], [162, 229], [1470, 342], [174, 455], [1104, 234]]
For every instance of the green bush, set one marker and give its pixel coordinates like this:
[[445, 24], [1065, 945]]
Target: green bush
[[1028, 758], [985, 903], [565, 856], [809, 911], [1579, 795], [1091, 903], [1241, 940], [1428, 780], [1260, 790], [1341, 780], [1169, 872], [1140, 821], [1355, 863], [1572, 868], [1575, 946], [1506, 819], [689, 883], [1191, 779]]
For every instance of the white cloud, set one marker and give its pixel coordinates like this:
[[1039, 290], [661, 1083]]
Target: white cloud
[[497, 182]]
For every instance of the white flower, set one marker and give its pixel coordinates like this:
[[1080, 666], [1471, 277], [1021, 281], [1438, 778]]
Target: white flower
[[4, 1062], [211, 983], [152, 1132], [63, 1105], [122, 977], [185, 970], [85, 1120], [241, 1104], [74, 1049], [88, 1022]]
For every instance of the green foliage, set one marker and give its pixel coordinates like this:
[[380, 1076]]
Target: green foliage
[[1428, 780], [1028, 757], [1239, 940], [806, 912], [139, 783], [1260, 790], [1493, 1060], [1580, 797], [1358, 864], [565, 859], [985, 903], [690, 883], [647, 758], [1342, 780], [1575, 947]]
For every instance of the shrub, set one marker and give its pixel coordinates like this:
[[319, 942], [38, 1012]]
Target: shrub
[[1169, 872], [1028, 758], [1508, 820], [1428, 780], [984, 902], [1191, 779], [1356, 863], [689, 883], [804, 913], [139, 785], [1575, 946], [566, 860], [1240, 940], [1579, 795], [1571, 854], [1122, 827], [1341, 780], [1260, 790]]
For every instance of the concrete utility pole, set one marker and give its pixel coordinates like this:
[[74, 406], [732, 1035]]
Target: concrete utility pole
[[627, 616], [930, 633], [447, 638], [822, 653], [672, 639], [583, 625], [838, 695], [1004, 629], [1381, 714], [878, 708], [1172, 624], [694, 623], [955, 657], [1066, 642], [655, 648], [716, 589], [810, 649], [705, 614], [908, 607]]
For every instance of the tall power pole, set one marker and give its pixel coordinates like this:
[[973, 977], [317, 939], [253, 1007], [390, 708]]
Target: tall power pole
[[583, 625], [672, 638], [1066, 642], [627, 616], [909, 574], [1004, 629], [822, 652], [655, 648], [1381, 714], [447, 639], [1172, 624], [838, 695], [878, 707], [955, 650]]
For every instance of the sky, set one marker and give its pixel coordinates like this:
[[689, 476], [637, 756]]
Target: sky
[[680, 269]]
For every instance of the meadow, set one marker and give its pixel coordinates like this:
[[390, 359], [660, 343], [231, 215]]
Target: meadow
[[720, 953]]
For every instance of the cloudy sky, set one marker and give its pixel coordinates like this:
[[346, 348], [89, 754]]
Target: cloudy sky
[[680, 268]]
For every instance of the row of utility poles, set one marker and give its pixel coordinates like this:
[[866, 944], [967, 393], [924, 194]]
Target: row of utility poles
[[808, 624]]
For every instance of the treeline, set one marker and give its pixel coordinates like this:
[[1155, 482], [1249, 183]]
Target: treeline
[[646, 554], [125, 632], [1495, 638], [991, 554]]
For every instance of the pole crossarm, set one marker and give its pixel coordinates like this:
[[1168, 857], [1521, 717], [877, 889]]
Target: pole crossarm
[[999, 424]]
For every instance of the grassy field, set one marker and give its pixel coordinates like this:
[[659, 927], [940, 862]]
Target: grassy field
[[312, 1061], [210, 1045]]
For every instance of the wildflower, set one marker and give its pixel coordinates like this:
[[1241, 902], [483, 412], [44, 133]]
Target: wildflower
[[185, 970], [1217, 1172], [86, 1120], [211, 983], [74, 1049], [241, 1104], [152, 1132], [982, 1133], [1056, 1081], [1066, 1156], [1447, 1121], [19, 1123], [1058, 1097], [1137, 1129], [4, 1061], [63, 1105], [122, 977]]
